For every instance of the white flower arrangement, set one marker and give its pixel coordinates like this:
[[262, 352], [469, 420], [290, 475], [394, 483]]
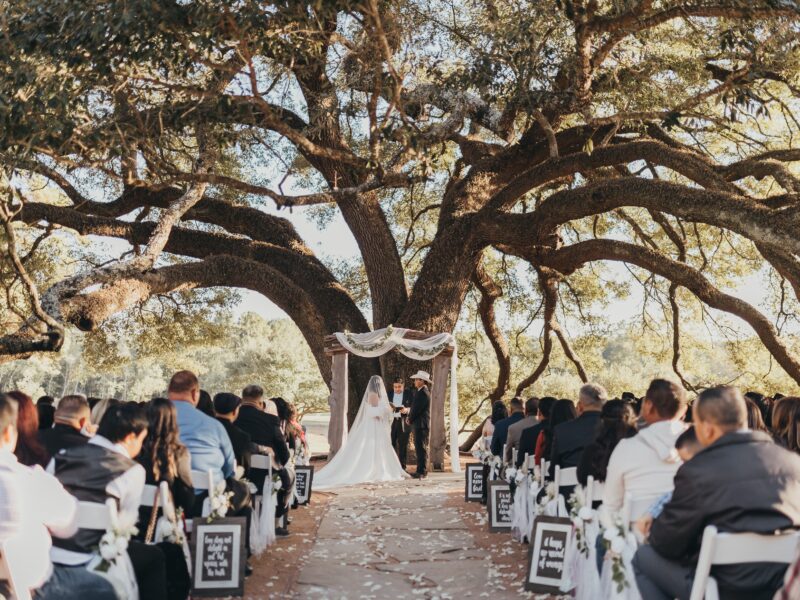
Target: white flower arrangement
[[580, 513], [511, 475], [114, 542], [520, 476], [483, 455], [616, 539], [220, 502], [175, 533], [277, 484]]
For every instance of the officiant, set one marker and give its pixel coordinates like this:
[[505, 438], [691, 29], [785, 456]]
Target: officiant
[[401, 399]]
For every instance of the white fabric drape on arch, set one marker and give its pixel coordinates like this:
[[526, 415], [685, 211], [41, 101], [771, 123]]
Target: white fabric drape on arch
[[379, 342]]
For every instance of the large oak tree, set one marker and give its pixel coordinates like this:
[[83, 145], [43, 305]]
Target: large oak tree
[[557, 134]]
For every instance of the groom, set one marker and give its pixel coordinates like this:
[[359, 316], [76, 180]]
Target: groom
[[419, 418]]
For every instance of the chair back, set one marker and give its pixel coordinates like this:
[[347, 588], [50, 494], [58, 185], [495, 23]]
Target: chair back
[[94, 515], [737, 548], [263, 462], [165, 498], [634, 507], [203, 480], [594, 490], [527, 462], [16, 589], [567, 477], [545, 470]]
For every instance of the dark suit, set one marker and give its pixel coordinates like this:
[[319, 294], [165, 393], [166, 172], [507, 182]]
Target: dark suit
[[527, 441], [742, 482], [61, 436], [241, 442], [420, 419], [501, 432], [265, 430], [400, 431], [570, 438]]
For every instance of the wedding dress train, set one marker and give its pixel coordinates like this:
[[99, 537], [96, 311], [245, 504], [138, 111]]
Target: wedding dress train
[[367, 456]]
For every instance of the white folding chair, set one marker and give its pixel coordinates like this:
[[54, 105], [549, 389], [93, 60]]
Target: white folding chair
[[634, 507], [594, 490], [737, 548], [565, 477], [204, 481], [93, 515], [263, 462], [545, 470], [514, 454], [16, 590], [165, 498]]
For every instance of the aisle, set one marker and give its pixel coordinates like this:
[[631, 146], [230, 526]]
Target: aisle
[[407, 540]]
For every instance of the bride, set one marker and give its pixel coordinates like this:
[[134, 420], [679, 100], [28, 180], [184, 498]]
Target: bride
[[367, 456]]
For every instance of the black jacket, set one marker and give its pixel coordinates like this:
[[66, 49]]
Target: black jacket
[[241, 441], [61, 436], [570, 438], [742, 482], [408, 396], [500, 434], [265, 430], [527, 441], [420, 414]]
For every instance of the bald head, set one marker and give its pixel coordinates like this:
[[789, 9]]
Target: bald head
[[73, 410], [717, 411]]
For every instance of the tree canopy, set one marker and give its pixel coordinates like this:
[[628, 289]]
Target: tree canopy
[[496, 149]]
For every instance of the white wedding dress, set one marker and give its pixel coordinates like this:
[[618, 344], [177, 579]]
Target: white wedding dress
[[367, 456]]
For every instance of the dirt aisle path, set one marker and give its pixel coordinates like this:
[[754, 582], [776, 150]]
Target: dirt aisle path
[[408, 540]]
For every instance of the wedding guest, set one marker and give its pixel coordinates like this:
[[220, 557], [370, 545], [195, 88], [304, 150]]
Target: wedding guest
[[71, 418], [500, 435], [569, 439], [164, 457], [530, 435], [283, 415], [298, 433], [265, 430], [29, 450], [563, 412], [205, 437], [45, 409], [786, 423], [105, 468], [100, 408], [34, 505], [515, 429], [204, 404], [645, 465], [755, 420], [617, 422], [226, 407], [739, 482], [764, 404], [499, 412], [687, 446]]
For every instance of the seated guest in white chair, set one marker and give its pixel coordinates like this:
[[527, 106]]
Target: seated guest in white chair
[[644, 465], [739, 482], [34, 505], [94, 472]]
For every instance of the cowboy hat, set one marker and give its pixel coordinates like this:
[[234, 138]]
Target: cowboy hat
[[422, 375]]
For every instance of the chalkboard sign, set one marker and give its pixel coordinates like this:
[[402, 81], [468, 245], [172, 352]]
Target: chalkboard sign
[[551, 535], [303, 477], [500, 504], [218, 554], [474, 483]]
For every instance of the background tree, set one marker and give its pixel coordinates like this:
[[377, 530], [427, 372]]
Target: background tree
[[473, 147]]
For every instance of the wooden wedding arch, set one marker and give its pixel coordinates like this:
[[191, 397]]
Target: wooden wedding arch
[[338, 400]]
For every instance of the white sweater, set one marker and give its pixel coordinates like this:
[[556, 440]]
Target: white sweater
[[644, 465]]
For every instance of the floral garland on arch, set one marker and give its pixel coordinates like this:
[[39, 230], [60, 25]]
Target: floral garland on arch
[[377, 343]]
